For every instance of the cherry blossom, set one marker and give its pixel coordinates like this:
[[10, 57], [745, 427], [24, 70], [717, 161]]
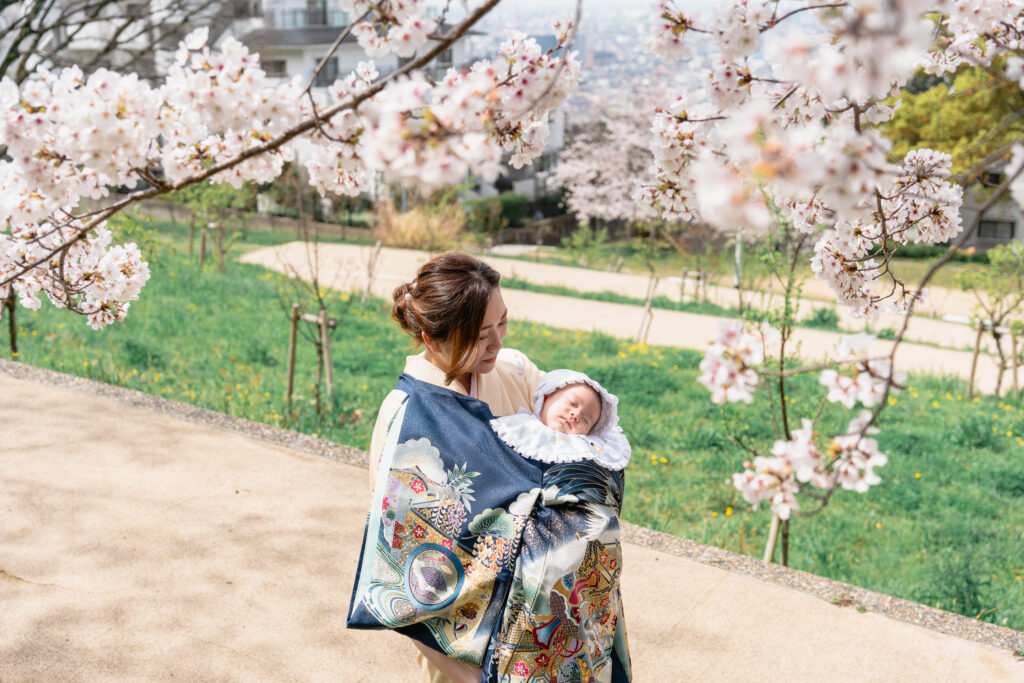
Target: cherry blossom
[[768, 479], [857, 456], [794, 132], [726, 369], [217, 116], [668, 39], [602, 163]]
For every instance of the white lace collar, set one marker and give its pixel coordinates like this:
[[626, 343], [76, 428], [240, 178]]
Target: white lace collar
[[532, 439]]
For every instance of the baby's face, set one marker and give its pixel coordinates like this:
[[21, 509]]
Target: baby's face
[[572, 409]]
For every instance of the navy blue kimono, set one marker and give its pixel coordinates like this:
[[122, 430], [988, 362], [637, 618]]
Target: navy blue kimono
[[493, 559]]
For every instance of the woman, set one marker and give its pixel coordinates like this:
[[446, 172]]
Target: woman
[[498, 566], [454, 308]]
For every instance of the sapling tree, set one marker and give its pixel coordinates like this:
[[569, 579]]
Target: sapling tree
[[214, 208], [998, 290]]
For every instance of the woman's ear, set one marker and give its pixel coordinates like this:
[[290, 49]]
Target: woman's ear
[[433, 345]]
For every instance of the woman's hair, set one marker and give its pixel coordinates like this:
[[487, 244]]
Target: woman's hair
[[447, 301]]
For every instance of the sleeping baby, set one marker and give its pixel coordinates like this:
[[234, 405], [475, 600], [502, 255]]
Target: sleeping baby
[[574, 419]]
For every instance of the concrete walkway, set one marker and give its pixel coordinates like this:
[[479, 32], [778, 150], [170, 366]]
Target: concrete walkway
[[344, 267], [138, 545]]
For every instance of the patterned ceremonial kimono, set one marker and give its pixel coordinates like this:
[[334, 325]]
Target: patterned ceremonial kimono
[[490, 558]]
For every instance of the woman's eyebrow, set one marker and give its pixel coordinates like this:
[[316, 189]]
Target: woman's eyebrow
[[503, 316]]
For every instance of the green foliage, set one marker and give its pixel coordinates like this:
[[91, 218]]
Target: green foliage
[[584, 240], [970, 120], [999, 286], [1004, 275], [135, 227], [930, 252], [959, 583], [552, 204], [514, 207], [209, 198], [488, 215], [824, 318]]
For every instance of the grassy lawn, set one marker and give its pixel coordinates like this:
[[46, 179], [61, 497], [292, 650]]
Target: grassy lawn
[[945, 528]]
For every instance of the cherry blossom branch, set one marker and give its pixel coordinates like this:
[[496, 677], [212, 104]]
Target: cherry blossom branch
[[351, 101], [570, 39], [992, 201], [776, 21], [739, 442], [803, 370]]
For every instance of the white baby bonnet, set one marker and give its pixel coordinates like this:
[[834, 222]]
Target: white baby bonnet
[[531, 438]]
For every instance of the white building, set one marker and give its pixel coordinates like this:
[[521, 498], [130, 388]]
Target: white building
[[293, 36]]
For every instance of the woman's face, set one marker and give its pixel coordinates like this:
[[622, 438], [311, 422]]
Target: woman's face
[[492, 332]]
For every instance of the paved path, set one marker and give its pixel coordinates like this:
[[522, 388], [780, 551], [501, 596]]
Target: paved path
[[344, 266], [138, 546]]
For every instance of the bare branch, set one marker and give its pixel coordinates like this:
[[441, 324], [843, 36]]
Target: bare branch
[[330, 52], [809, 8]]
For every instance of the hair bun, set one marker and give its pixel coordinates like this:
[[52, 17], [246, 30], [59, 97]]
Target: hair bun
[[402, 300], [446, 302]]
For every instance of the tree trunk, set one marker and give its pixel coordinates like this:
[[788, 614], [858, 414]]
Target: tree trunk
[[1002, 357], [220, 245], [9, 306], [291, 355], [773, 535], [319, 374], [974, 359], [1013, 360], [785, 543]]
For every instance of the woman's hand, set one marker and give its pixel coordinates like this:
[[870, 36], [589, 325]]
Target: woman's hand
[[459, 672]]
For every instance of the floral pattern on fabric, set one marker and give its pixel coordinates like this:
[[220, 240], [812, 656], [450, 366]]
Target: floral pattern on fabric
[[563, 625], [490, 558]]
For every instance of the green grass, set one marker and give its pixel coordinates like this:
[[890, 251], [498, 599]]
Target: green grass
[[704, 307], [945, 528], [667, 262]]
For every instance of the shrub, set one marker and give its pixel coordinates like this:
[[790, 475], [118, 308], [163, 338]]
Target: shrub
[[552, 204], [929, 252], [488, 215], [514, 207], [436, 228], [824, 318]]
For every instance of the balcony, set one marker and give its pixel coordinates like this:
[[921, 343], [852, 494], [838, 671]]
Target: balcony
[[317, 17]]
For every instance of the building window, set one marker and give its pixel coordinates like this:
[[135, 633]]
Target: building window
[[275, 68], [328, 74], [996, 230], [247, 8]]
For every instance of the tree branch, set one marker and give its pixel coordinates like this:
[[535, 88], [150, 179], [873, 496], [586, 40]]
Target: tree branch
[[349, 102]]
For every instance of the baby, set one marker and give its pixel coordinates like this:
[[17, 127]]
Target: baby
[[574, 419], [565, 585]]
